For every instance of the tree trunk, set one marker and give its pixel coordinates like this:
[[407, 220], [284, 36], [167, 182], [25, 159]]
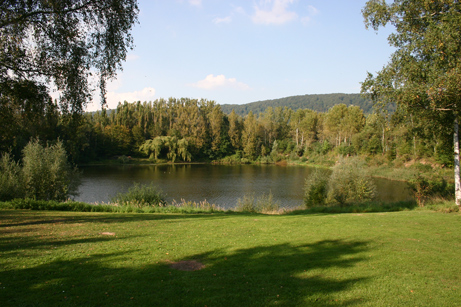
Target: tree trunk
[[297, 132], [457, 173], [384, 139]]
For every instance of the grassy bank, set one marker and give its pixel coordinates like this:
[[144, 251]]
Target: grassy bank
[[408, 258]]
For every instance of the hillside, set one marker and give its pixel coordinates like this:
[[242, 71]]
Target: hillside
[[320, 102]]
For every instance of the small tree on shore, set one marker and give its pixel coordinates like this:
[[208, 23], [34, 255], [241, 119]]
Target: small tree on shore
[[45, 174]]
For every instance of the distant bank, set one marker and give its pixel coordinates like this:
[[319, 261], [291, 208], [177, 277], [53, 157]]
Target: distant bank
[[317, 102]]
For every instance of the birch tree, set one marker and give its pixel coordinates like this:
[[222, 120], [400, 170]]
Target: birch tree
[[424, 73], [64, 43]]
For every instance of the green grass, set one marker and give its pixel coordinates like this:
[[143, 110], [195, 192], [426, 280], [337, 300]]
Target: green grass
[[52, 258]]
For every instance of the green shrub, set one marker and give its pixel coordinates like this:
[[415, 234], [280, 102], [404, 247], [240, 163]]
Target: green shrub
[[140, 196], [262, 204], [10, 178], [345, 150], [246, 204], [425, 188], [123, 159], [46, 173], [315, 189], [266, 204], [349, 182]]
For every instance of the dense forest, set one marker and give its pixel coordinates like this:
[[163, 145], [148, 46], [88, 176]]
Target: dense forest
[[319, 103], [183, 130]]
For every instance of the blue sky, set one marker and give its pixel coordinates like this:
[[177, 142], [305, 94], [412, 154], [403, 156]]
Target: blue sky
[[241, 51]]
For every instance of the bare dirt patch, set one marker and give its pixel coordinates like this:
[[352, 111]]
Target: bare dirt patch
[[187, 265], [108, 233]]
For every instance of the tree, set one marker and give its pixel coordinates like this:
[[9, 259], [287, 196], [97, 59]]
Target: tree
[[63, 43], [333, 124], [234, 131], [424, 73], [250, 139], [26, 111], [46, 173]]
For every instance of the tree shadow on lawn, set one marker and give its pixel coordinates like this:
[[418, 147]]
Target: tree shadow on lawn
[[14, 218], [283, 274]]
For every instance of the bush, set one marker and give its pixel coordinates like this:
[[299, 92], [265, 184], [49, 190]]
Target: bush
[[247, 204], [315, 189], [46, 173], [10, 178], [349, 182], [425, 188], [140, 196], [263, 204], [345, 150]]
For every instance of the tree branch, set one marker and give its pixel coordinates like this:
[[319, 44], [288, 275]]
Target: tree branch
[[44, 12]]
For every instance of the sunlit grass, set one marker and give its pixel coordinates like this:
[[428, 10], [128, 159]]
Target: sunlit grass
[[408, 258]]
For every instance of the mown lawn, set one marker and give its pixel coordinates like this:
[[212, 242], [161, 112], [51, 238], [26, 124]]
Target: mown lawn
[[410, 258]]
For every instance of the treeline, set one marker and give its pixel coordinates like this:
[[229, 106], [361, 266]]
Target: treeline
[[319, 102], [198, 130]]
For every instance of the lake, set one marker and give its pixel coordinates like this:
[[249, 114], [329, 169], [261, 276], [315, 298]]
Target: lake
[[222, 185]]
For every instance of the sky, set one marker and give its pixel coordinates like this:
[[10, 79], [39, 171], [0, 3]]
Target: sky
[[241, 51]]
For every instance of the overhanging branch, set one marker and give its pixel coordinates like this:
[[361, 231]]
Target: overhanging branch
[[44, 12]]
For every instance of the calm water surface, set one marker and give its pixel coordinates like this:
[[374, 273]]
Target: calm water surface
[[222, 185]]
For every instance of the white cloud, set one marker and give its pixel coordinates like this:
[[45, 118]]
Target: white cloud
[[146, 94], [239, 10], [273, 12], [211, 82], [195, 2], [218, 20], [113, 98], [312, 11]]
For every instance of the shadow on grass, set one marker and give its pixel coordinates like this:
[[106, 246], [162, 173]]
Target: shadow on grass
[[283, 274], [365, 207], [14, 217]]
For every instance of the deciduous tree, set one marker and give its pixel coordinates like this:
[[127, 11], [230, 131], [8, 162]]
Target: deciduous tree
[[64, 42], [424, 73]]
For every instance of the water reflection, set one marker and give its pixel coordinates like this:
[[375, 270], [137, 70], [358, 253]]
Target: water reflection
[[222, 185]]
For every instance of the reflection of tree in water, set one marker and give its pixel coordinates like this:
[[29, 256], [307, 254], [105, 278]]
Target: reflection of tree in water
[[283, 274]]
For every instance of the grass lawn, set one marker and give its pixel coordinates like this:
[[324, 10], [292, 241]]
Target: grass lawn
[[410, 258]]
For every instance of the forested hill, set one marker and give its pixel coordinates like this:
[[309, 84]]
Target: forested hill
[[320, 103]]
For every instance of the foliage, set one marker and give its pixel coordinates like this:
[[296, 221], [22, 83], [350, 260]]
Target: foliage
[[262, 204], [10, 178], [123, 159], [423, 75], [53, 205], [46, 172], [26, 111], [187, 130], [140, 196], [315, 188], [63, 43], [319, 103], [202, 206], [349, 182], [424, 188]]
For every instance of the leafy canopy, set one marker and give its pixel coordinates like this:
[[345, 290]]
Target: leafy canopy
[[65, 42], [424, 72]]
